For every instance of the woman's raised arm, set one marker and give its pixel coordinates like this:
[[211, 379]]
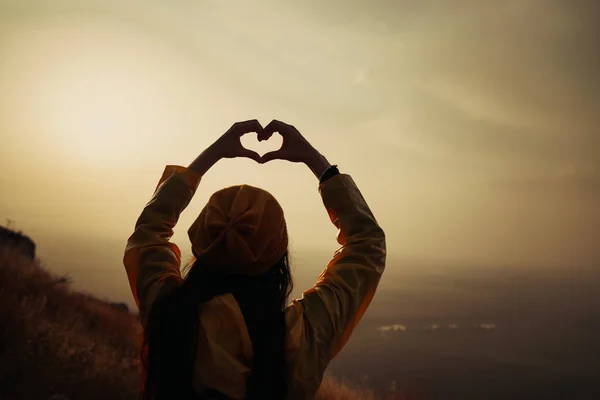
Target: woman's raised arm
[[152, 262], [339, 299]]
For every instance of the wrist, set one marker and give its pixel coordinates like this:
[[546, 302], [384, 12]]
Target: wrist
[[318, 164], [204, 161]]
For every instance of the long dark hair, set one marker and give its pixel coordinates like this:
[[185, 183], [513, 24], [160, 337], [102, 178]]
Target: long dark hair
[[171, 332]]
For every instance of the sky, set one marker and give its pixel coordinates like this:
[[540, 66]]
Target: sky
[[471, 127]]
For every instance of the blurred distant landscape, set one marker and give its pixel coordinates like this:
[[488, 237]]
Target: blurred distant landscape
[[474, 333]]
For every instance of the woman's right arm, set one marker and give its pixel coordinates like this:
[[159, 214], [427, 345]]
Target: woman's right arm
[[339, 299]]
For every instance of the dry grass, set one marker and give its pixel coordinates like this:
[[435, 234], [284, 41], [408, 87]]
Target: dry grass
[[53, 340], [56, 341]]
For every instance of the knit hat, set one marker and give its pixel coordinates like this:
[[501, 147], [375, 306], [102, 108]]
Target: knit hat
[[241, 231]]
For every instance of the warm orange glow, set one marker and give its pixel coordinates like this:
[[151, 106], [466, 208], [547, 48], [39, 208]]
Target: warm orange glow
[[468, 146]]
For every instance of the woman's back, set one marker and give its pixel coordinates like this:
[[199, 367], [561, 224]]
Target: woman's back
[[228, 335]]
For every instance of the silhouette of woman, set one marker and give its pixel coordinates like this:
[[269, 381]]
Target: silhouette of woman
[[226, 330]]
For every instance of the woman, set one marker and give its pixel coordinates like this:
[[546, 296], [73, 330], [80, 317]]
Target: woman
[[226, 330]]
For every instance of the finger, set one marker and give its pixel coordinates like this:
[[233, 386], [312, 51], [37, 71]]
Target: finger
[[268, 130], [243, 127], [251, 154], [275, 126], [264, 135]]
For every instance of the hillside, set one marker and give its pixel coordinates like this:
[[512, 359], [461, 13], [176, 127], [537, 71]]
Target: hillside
[[55, 341]]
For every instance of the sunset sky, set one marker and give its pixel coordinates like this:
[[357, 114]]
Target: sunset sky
[[471, 127]]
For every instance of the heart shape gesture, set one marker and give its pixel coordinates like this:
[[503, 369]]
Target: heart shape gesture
[[292, 147], [261, 147]]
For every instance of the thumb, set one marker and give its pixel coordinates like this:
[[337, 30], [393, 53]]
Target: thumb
[[250, 154], [270, 156]]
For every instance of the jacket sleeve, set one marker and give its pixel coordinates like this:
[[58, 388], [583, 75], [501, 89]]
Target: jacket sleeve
[[150, 259], [339, 299]]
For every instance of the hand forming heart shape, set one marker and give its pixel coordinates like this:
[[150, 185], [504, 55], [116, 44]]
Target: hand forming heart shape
[[294, 147], [291, 146]]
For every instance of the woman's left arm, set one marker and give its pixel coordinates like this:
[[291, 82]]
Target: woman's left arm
[[151, 261]]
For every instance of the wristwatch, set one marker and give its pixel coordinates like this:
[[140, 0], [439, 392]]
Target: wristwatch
[[329, 173]]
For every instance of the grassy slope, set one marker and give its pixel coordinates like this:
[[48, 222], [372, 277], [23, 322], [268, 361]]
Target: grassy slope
[[54, 340]]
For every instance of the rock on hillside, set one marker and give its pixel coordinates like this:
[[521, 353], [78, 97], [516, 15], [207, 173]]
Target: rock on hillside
[[10, 238]]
